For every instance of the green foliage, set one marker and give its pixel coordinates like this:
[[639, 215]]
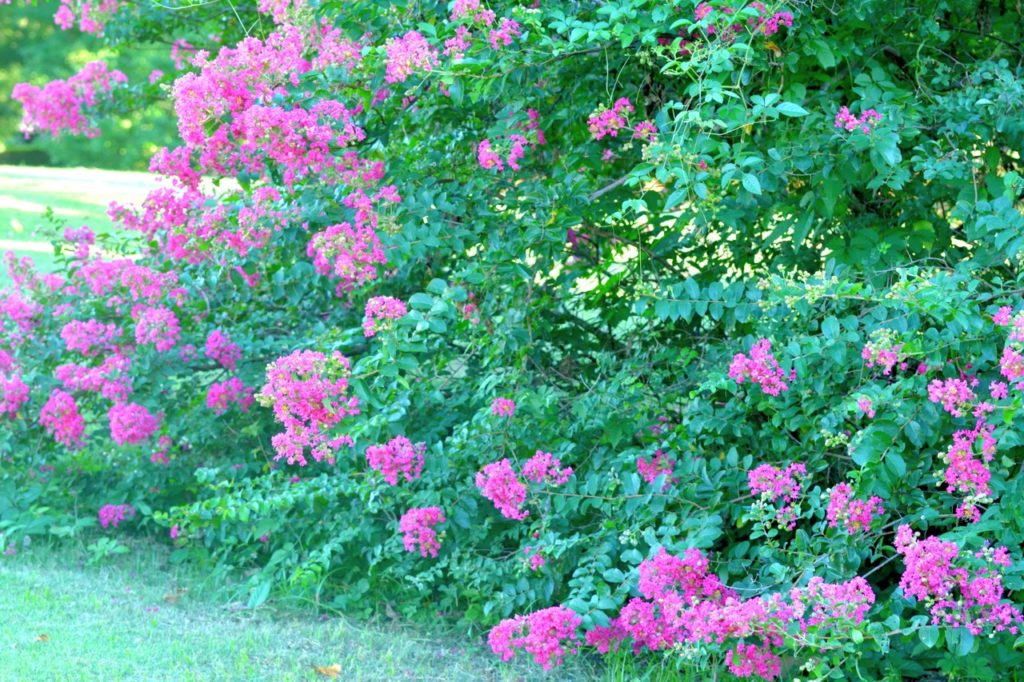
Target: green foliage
[[607, 298]]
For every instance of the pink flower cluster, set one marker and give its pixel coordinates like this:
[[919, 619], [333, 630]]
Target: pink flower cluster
[[772, 484], [489, 155], [956, 593], [955, 395], [866, 408], [280, 9], [720, 22], [682, 603], [659, 464], [113, 514], [131, 423], [547, 635], [220, 395], [408, 54], [115, 278], [503, 407], [350, 254], [92, 16], [60, 417], [504, 33], [90, 338], [63, 105], [967, 472], [543, 467], [219, 348], [418, 527], [13, 394], [1011, 364], [380, 309], [761, 368], [82, 237], [499, 483], [855, 514], [398, 456], [110, 379], [308, 392], [608, 122], [158, 326], [534, 558], [849, 122]]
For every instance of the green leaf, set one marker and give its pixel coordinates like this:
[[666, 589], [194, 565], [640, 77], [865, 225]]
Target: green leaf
[[614, 575], [929, 635], [751, 184], [830, 327], [791, 109]]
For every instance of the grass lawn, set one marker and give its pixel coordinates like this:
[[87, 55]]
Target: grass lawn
[[78, 196], [128, 619]]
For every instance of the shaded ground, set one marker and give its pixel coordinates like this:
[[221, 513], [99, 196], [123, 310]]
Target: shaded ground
[[63, 620]]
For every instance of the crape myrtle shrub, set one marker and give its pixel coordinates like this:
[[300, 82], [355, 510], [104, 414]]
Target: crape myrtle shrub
[[675, 330]]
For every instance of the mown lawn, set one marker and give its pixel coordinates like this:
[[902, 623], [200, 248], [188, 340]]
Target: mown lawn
[[78, 196], [129, 619]]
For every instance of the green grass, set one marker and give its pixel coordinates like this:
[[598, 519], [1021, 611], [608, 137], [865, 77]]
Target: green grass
[[115, 622], [77, 196]]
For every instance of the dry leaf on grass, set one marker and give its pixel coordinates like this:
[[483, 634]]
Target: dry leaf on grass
[[43, 638], [328, 670]]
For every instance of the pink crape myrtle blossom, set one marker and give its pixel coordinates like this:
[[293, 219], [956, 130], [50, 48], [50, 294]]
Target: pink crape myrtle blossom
[[503, 35], [1002, 316], [157, 326], [346, 252], [659, 464], [219, 348], [547, 635], [131, 423], [280, 9], [418, 526], [967, 473], [747, 660], [91, 337], [884, 351], [664, 574], [499, 483], [113, 514], [398, 456], [407, 54], [13, 394], [221, 394], [63, 105], [781, 487], [111, 378], [856, 515], [998, 390], [503, 407], [868, 119], [91, 15], [60, 418], [761, 368], [308, 392], [683, 603], [866, 408], [608, 122], [534, 558], [645, 130], [379, 311], [163, 445], [957, 589], [457, 46], [543, 467], [955, 395]]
